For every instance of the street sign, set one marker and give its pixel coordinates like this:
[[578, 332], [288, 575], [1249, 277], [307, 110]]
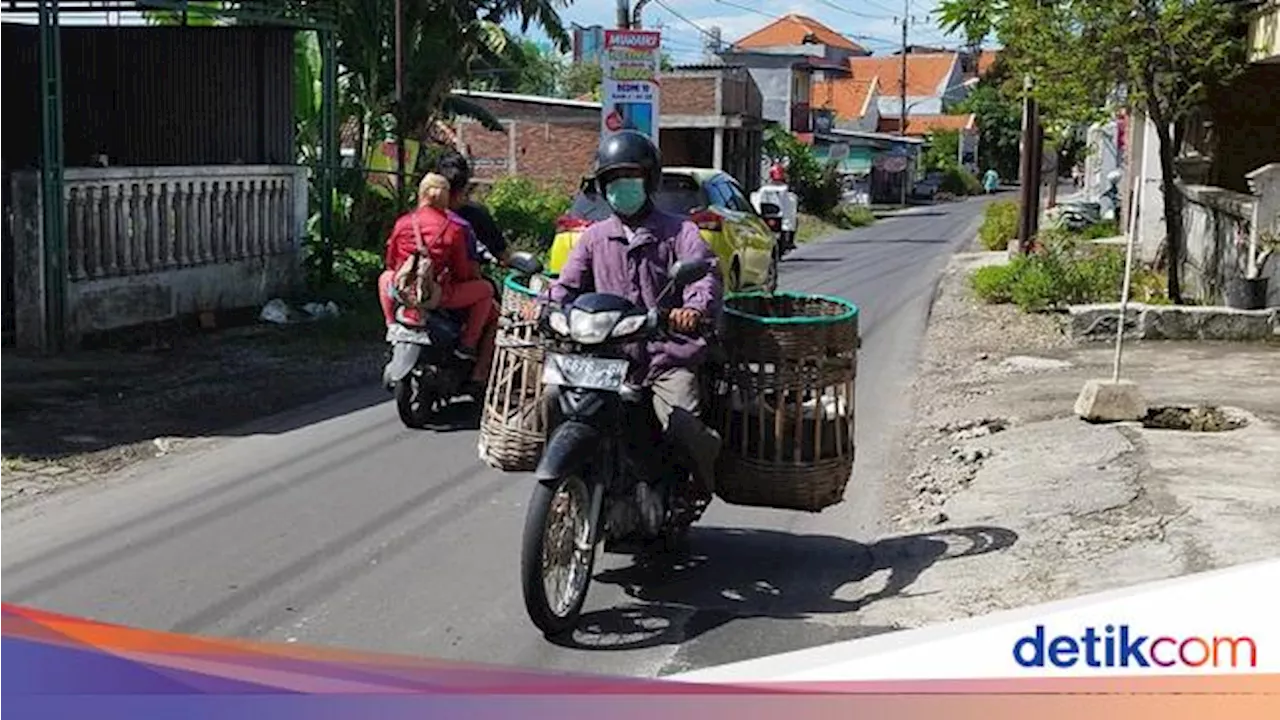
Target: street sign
[[630, 63]]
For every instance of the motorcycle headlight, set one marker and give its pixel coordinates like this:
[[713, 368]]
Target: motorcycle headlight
[[559, 323], [591, 328], [629, 325]]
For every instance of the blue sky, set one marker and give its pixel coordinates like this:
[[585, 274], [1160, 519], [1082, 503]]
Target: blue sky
[[683, 22], [683, 36]]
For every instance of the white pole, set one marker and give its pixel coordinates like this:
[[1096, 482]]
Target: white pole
[[1132, 234]]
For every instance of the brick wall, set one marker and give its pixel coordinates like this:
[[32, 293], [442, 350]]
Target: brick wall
[[688, 95], [553, 152]]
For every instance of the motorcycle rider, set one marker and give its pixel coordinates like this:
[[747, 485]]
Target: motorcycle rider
[[446, 241], [628, 254], [453, 166]]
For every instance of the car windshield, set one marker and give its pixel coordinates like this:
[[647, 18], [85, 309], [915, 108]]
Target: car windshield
[[679, 195]]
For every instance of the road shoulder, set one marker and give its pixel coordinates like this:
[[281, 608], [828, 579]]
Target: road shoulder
[[994, 443], [75, 419]]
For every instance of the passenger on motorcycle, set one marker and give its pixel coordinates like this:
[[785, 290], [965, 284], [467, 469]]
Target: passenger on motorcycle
[[430, 229], [454, 167], [628, 254]]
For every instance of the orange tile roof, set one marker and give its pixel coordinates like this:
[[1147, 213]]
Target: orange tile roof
[[849, 98], [925, 72], [922, 125], [986, 59], [791, 30]]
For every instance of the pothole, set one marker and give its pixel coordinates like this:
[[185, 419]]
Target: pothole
[[1201, 418]]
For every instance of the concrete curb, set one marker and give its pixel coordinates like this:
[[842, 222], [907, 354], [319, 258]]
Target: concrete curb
[[1172, 322]]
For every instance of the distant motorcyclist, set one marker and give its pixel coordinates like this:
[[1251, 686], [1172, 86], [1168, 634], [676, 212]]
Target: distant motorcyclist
[[628, 254]]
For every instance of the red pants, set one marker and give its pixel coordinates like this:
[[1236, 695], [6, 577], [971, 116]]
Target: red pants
[[476, 297]]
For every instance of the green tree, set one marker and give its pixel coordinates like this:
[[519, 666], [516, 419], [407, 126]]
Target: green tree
[[999, 119], [200, 13], [1164, 55], [943, 152], [582, 78], [521, 66]]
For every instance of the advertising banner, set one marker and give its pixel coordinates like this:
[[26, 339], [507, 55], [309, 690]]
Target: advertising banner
[[629, 66]]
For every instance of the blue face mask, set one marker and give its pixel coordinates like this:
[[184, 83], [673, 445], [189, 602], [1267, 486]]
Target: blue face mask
[[626, 195]]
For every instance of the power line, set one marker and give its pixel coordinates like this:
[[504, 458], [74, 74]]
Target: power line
[[699, 28], [854, 13]]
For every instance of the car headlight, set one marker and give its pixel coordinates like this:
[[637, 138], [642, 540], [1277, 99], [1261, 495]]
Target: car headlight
[[559, 323], [629, 325], [591, 328]]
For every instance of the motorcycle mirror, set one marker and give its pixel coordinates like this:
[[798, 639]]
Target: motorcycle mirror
[[684, 272], [525, 263]]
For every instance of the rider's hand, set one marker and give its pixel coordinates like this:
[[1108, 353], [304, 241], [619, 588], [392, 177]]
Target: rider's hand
[[684, 320], [531, 312]]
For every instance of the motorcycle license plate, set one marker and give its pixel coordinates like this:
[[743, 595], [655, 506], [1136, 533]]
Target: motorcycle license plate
[[584, 372], [402, 334]]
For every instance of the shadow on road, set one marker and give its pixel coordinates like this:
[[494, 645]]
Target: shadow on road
[[891, 241], [927, 213], [729, 575]]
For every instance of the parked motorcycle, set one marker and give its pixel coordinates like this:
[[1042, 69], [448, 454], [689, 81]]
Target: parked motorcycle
[[423, 371], [607, 475]]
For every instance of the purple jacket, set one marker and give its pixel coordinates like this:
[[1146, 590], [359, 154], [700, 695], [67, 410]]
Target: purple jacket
[[603, 261]]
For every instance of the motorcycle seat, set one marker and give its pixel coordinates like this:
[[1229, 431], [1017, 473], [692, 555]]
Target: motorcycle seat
[[445, 326]]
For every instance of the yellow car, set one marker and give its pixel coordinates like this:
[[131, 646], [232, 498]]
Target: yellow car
[[747, 247]]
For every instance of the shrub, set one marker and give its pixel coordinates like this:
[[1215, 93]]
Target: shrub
[[994, 283], [821, 195], [999, 225], [526, 211], [959, 181], [1063, 271], [1105, 229]]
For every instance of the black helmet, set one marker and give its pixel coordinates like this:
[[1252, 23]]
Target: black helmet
[[629, 149]]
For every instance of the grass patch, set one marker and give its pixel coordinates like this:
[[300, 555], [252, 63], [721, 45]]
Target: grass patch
[[844, 217], [1064, 270], [854, 216], [810, 228]]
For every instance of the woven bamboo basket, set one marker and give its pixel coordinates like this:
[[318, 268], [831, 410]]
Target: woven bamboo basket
[[513, 424], [785, 400]]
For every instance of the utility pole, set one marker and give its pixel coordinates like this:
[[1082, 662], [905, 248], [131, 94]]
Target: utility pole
[[624, 15], [902, 115], [400, 184], [1029, 174]]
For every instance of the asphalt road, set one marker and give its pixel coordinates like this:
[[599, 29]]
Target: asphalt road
[[334, 525]]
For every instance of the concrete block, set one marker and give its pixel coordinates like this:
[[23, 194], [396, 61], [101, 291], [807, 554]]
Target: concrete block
[[1108, 401], [1170, 323], [1222, 323], [1098, 322]]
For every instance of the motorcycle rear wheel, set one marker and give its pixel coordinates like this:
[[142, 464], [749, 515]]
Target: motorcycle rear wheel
[[414, 402], [546, 541]]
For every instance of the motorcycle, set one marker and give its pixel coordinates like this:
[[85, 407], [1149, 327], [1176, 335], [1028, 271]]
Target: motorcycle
[[423, 371], [607, 475]]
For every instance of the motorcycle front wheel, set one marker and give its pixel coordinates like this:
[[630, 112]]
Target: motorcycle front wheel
[[557, 555]]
